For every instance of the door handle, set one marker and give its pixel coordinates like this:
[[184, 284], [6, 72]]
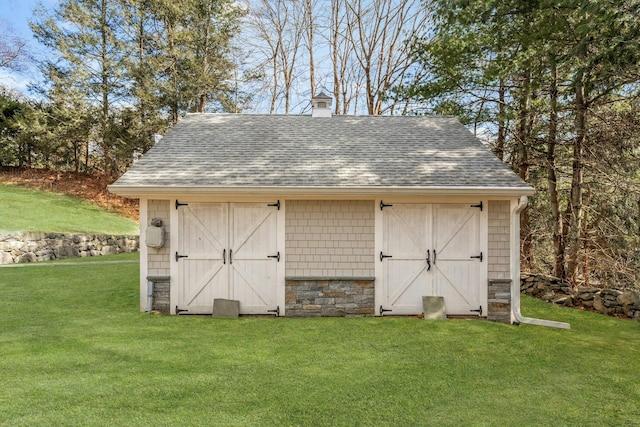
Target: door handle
[[230, 256], [434, 257], [428, 260], [224, 256]]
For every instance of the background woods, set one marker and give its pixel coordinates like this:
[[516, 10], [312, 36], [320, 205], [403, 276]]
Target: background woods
[[552, 87]]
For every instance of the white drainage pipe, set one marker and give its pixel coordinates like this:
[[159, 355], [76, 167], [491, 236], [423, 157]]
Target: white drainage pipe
[[516, 316]]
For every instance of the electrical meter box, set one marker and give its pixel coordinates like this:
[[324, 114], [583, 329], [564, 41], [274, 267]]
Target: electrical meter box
[[154, 237]]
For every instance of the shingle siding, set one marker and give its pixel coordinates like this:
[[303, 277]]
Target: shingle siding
[[330, 238], [159, 258], [499, 233]]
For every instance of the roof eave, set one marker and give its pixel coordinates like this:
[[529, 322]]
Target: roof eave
[[138, 191]]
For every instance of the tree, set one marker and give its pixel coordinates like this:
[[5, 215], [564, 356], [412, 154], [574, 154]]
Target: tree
[[85, 36], [13, 49], [537, 72]]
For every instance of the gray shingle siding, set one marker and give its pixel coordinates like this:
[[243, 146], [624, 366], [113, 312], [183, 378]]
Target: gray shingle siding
[[300, 151]]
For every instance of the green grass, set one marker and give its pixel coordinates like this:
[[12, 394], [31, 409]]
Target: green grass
[[24, 209], [75, 350]]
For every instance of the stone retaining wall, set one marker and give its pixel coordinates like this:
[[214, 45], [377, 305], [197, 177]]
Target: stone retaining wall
[[309, 297], [605, 301], [32, 247]]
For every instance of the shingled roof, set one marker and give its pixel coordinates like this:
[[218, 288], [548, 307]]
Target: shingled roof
[[211, 153]]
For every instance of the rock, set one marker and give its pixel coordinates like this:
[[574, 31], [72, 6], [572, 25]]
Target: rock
[[598, 305], [548, 296], [562, 300], [628, 298], [5, 257], [28, 257]]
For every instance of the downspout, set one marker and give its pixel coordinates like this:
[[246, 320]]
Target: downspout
[[516, 316]]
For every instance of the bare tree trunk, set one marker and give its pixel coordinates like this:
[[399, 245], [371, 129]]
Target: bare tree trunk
[[105, 92], [502, 128], [552, 181], [522, 138], [310, 32], [577, 179]]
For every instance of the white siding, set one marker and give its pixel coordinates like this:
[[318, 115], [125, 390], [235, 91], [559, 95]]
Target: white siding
[[330, 238]]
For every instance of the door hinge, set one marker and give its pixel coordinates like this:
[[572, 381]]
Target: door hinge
[[180, 310], [478, 257], [275, 205], [479, 311], [384, 310], [384, 205], [277, 256], [384, 256], [275, 311], [178, 204], [479, 205], [180, 256]]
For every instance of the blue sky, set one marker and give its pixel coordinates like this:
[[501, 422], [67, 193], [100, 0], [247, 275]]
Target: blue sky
[[14, 19]]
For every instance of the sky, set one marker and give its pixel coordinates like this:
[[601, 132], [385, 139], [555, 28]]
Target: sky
[[14, 19]]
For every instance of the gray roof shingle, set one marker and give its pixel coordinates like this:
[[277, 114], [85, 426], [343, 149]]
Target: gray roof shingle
[[219, 150]]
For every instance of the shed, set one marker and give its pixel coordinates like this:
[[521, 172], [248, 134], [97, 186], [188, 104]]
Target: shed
[[327, 216]]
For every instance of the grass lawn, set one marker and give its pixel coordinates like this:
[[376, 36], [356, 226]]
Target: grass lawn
[[26, 209], [74, 350]]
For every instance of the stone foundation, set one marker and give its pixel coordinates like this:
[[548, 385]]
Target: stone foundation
[[161, 300], [499, 300], [330, 297]]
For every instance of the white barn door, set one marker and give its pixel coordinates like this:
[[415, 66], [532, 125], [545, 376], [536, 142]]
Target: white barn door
[[201, 256], [254, 257], [457, 258], [432, 250], [224, 251], [406, 230]]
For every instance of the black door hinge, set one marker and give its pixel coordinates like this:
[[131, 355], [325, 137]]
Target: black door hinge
[[178, 204], [180, 256], [479, 205], [180, 310], [384, 205], [479, 311], [277, 256], [478, 257], [276, 311], [275, 205], [384, 256], [384, 310]]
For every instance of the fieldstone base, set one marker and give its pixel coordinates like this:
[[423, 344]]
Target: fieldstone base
[[329, 297], [499, 300], [161, 301]]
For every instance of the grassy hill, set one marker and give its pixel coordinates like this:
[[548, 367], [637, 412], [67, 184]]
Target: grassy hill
[[75, 350], [25, 209]]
